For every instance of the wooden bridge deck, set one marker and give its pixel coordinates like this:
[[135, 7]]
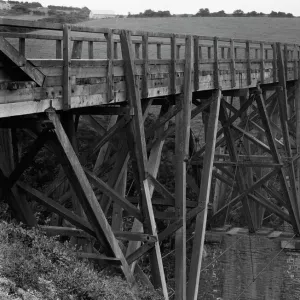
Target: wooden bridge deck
[[88, 67]]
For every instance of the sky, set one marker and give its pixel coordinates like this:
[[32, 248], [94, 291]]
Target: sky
[[185, 6]]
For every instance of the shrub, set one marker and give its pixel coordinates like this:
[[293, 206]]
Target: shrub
[[34, 261]]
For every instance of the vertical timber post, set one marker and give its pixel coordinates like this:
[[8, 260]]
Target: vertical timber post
[[183, 123], [140, 153], [66, 67], [297, 107], [196, 261], [109, 78]]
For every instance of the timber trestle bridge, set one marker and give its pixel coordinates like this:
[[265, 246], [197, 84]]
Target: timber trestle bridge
[[53, 76]]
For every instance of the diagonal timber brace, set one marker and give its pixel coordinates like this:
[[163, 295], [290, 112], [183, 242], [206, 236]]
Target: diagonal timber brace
[[26, 66], [139, 153], [79, 182], [233, 156]]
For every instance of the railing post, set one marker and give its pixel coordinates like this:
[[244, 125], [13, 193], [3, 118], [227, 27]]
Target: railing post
[[232, 65], [109, 51], [66, 68], [248, 57], [173, 65], [196, 63], [145, 49], [216, 64], [286, 59], [262, 66], [274, 62]]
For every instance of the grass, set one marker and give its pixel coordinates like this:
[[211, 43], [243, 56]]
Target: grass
[[51, 270], [23, 17], [266, 29]]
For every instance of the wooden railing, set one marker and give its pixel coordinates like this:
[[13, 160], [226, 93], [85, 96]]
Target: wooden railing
[[84, 55]]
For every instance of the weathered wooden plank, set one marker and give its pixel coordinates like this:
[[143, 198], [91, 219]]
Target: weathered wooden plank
[[195, 269], [20, 61]]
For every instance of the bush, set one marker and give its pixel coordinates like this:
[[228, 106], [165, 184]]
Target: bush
[[33, 261]]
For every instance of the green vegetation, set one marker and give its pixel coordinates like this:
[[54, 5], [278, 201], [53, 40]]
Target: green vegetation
[[204, 12], [60, 16], [51, 269], [55, 7], [27, 4]]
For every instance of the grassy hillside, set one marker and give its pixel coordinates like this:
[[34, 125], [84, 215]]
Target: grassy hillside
[[45, 269]]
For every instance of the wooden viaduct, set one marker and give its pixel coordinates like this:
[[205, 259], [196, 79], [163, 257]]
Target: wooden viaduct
[[252, 144]]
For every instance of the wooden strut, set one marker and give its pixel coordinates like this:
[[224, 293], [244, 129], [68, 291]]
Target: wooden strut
[[139, 154], [182, 135], [203, 199], [86, 196]]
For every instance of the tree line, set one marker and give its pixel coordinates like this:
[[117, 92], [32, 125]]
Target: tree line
[[204, 12]]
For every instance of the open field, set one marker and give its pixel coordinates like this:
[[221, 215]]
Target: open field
[[266, 29], [23, 17]]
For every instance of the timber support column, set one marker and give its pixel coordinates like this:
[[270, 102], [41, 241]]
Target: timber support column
[[138, 152], [183, 124], [196, 261], [17, 202], [297, 107]]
